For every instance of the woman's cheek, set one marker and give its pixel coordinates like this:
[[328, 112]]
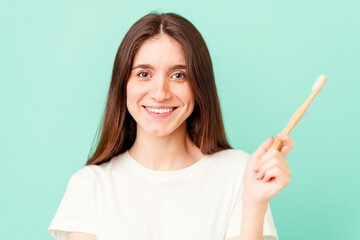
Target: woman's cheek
[[135, 92], [185, 93]]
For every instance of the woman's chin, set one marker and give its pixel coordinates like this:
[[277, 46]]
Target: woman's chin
[[157, 131], [162, 130]]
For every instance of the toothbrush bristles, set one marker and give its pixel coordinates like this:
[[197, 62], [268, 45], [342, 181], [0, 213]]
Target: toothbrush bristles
[[319, 82]]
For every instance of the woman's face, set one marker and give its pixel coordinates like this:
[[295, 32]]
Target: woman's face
[[159, 96]]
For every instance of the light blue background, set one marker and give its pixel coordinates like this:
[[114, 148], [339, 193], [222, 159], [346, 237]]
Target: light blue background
[[56, 59]]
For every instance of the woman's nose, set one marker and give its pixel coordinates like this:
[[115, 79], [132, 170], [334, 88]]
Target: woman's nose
[[160, 89]]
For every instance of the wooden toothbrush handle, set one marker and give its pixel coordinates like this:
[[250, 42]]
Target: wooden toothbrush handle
[[299, 112], [294, 120], [277, 144]]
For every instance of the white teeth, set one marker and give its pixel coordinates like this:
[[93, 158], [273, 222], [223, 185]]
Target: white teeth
[[154, 110]]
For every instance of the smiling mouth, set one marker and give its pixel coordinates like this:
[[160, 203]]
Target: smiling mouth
[[160, 110]]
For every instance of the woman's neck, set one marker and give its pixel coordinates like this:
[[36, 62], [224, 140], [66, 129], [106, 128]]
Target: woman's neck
[[166, 153]]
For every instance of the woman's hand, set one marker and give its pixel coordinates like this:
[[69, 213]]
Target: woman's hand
[[267, 172]]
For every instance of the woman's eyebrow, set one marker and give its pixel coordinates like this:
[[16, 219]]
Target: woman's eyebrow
[[148, 66]]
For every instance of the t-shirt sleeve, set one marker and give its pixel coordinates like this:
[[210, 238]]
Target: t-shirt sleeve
[[75, 212]]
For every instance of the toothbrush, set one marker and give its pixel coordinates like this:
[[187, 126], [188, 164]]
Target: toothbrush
[[319, 83]]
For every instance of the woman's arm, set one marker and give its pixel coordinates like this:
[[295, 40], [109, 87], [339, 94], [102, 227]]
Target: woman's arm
[[252, 223], [266, 174]]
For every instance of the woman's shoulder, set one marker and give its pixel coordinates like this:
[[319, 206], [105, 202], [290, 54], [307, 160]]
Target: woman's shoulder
[[83, 176], [236, 155], [230, 158], [229, 164], [91, 172], [232, 152]]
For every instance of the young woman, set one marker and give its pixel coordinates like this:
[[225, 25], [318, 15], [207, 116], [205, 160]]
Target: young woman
[[163, 168]]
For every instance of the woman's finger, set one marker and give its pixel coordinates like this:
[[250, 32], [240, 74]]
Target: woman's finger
[[281, 177], [263, 148], [272, 162], [271, 153], [288, 143]]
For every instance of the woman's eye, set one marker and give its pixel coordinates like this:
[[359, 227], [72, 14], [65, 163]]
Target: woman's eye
[[179, 75], [143, 74], [176, 75]]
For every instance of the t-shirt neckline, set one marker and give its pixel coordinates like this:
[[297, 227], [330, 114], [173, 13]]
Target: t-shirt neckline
[[165, 175]]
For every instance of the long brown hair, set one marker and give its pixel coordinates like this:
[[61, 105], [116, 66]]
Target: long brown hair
[[205, 125]]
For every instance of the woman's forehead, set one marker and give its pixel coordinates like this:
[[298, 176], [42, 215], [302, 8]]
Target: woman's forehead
[[160, 51]]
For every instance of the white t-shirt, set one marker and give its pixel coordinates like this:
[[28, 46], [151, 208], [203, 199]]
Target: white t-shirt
[[124, 200]]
